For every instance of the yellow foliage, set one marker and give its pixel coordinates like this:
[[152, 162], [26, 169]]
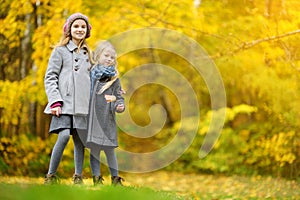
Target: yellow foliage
[[231, 113], [19, 152], [13, 95], [244, 134], [278, 149], [262, 80]]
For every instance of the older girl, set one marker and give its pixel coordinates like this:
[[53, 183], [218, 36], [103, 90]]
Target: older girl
[[67, 84]]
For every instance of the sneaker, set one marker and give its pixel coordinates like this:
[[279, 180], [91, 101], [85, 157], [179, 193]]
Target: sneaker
[[97, 180], [117, 180], [77, 179], [51, 179]]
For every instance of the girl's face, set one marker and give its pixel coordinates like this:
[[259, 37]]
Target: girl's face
[[108, 57], [78, 30]]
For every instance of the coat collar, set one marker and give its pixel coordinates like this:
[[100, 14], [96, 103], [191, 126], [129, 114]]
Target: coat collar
[[72, 46]]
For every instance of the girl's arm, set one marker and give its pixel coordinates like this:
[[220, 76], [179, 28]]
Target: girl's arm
[[51, 77], [120, 108], [119, 103]]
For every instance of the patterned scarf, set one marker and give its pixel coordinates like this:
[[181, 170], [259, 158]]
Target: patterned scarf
[[99, 71]]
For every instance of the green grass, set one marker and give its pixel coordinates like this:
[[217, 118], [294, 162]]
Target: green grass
[[155, 186], [70, 192]]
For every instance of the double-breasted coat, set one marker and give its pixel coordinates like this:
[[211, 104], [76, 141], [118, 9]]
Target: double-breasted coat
[[67, 79]]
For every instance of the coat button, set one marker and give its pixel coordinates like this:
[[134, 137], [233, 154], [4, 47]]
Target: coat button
[[76, 69], [76, 60]]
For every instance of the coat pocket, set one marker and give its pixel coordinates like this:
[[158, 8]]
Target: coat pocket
[[67, 88]]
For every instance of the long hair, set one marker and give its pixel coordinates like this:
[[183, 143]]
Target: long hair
[[96, 56]]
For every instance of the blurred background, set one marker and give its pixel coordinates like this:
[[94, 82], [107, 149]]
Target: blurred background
[[254, 44]]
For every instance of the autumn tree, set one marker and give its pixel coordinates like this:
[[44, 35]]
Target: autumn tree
[[253, 43]]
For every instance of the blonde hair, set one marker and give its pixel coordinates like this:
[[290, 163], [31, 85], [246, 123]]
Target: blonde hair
[[96, 56]]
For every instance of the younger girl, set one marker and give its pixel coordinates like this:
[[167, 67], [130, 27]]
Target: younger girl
[[67, 84], [106, 99]]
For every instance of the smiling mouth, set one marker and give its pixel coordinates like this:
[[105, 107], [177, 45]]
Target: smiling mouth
[[79, 33]]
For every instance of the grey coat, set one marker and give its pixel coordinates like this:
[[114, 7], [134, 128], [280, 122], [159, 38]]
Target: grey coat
[[67, 79], [102, 128]]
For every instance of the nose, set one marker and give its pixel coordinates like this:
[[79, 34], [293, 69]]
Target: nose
[[109, 59]]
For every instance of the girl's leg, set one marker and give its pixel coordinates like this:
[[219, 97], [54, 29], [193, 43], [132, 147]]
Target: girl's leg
[[95, 166], [95, 161], [78, 153], [58, 149], [112, 161], [113, 166]]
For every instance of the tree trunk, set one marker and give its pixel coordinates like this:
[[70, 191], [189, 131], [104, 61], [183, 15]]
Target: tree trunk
[[27, 49], [42, 122], [163, 97], [283, 8], [268, 6]]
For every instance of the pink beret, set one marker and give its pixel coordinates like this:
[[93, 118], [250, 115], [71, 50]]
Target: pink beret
[[74, 17]]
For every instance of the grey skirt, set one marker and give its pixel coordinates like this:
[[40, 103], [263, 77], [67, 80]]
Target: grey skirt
[[67, 122]]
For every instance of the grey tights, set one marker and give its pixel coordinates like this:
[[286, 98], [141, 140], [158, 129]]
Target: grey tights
[[111, 160], [58, 149]]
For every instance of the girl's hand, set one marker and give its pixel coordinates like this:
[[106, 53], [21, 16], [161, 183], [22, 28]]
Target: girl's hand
[[122, 92], [56, 111], [110, 98], [120, 107]]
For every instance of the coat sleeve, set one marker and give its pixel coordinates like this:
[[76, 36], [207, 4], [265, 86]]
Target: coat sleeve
[[118, 94], [51, 77]]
